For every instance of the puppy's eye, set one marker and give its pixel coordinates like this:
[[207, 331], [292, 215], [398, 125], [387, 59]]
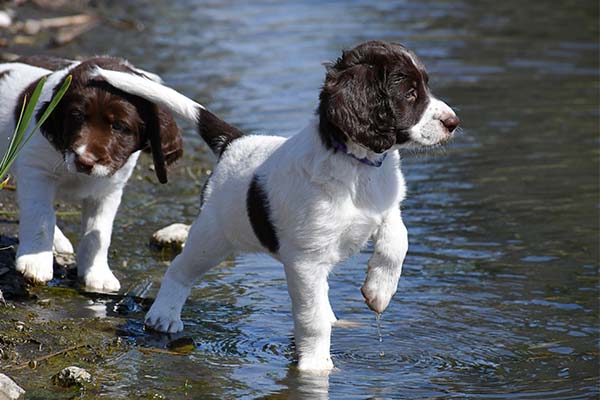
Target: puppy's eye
[[119, 126], [77, 115], [411, 95]]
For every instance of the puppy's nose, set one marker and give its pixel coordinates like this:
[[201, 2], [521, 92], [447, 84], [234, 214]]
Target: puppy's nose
[[84, 163], [451, 122]]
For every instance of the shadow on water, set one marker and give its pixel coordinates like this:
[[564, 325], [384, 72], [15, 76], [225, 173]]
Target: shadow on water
[[499, 292]]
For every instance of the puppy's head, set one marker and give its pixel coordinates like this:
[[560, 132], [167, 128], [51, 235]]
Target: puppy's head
[[97, 127], [376, 96]]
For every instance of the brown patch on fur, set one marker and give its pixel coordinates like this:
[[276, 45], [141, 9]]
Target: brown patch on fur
[[47, 62], [111, 124], [372, 95]]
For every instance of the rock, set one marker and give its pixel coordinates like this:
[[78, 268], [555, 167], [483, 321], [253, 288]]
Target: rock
[[173, 236], [5, 19], [9, 390], [72, 376], [65, 260]]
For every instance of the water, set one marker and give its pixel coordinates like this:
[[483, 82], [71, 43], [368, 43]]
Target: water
[[499, 293]]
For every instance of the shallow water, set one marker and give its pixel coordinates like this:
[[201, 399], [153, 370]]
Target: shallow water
[[499, 292]]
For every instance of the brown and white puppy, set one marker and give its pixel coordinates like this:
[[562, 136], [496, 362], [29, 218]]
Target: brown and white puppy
[[85, 151], [314, 199]]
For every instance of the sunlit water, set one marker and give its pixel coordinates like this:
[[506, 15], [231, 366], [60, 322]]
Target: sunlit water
[[499, 292]]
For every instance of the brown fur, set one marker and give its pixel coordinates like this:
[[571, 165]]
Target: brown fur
[[110, 123]]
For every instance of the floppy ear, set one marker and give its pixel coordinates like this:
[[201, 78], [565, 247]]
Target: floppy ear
[[160, 128], [164, 136], [171, 142], [355, 105]]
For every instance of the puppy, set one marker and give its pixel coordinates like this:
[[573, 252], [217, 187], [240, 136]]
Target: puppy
[[316, 198], [85, 151]]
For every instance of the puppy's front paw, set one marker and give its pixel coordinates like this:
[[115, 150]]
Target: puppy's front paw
[[379, 287], [36, 267], [162, 320], [101, 280]]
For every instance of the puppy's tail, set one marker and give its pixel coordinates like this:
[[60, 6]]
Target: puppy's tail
[[215, 132]]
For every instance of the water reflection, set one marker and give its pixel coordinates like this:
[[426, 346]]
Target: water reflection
[[302, 386]]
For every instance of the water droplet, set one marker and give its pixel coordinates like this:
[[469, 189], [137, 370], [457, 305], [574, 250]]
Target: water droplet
[[378, 319]]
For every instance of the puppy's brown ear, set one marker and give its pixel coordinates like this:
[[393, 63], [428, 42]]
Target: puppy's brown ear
[[170, 137], [54, 126], [354, 105], [165, 140]]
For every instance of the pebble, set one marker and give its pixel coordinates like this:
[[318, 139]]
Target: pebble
[[72, 376], [5, 19], [9, 390], [171, 236]]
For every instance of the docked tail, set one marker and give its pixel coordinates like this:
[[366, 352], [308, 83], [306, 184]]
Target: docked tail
[[215, 132]]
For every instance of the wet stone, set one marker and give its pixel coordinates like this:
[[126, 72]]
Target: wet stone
[[72, 376], [9, 390], [65, 260], [172, 236]]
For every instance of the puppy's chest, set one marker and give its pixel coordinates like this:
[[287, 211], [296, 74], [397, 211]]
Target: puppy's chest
[[338, 229], [354, 227]]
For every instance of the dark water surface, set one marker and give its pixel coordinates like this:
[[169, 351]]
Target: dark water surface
[[499, 292]]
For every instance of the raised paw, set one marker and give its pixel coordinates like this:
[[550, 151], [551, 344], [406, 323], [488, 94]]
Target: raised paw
[[162, 322], [379, 287], [36, 267], [101, 281]]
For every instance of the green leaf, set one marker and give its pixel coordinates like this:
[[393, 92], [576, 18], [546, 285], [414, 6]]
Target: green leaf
[[18, 140], [11, 144], [53, 103]]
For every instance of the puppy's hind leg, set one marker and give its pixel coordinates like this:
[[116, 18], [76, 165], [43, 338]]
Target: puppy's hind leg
[[204, 248], [61, 243]]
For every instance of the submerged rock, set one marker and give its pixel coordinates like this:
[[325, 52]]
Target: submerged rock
[[5, 19], [172, 236], [72, 376], [9, 390]]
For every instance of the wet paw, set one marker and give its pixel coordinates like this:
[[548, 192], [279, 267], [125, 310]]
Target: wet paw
[[162, 322], [378, 289], [101, 281], [36, 267]]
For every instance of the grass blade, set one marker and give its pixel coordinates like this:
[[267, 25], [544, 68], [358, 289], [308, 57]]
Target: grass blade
[[54, 102], [13, 138], [18, 140]]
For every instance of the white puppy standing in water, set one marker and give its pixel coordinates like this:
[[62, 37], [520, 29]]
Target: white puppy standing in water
[[314, 199]]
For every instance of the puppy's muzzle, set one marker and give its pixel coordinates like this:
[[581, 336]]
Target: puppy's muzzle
[[450, 122], [84, 163]]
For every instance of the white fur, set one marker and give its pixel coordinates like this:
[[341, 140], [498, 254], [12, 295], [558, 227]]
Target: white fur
[[61, 244], [325, 206], [43, 176], [152, 91], [430, 130]]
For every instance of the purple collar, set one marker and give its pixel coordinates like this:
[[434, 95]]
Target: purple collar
[[344, 149]]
